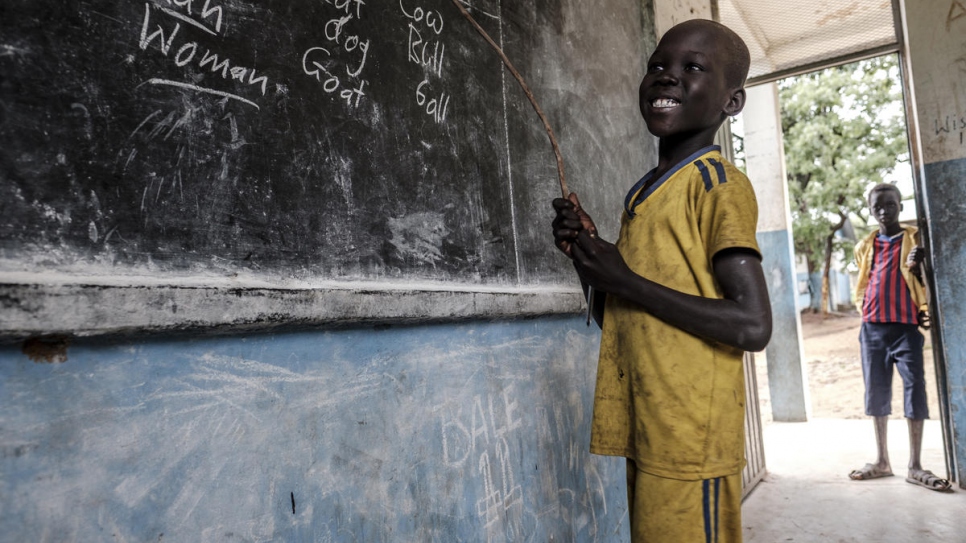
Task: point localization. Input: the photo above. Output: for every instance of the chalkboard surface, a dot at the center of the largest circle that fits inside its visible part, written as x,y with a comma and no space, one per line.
336,137
302,140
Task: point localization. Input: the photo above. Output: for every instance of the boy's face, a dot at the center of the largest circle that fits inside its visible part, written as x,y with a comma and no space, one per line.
885,207
686,87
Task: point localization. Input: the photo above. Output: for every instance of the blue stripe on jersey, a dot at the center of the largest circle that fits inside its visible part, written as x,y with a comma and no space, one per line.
719,168
706,498
717,493
705,174
633,199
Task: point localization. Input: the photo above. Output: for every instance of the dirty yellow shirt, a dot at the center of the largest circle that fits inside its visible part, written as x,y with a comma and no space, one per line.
671,401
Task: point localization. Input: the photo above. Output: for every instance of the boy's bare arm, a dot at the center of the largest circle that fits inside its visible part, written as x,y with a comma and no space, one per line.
742,319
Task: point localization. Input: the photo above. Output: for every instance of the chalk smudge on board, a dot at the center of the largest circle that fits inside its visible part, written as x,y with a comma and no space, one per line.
419,236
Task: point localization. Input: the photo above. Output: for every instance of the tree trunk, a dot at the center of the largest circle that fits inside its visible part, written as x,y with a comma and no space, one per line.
826,269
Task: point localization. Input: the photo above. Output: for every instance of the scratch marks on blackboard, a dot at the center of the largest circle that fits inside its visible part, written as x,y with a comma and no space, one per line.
509,155
108,17
49,213
419,236
237,140
343,178
144,122
87,118
7,50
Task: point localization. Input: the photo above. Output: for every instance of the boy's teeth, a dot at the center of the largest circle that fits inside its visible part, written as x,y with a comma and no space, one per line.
664,102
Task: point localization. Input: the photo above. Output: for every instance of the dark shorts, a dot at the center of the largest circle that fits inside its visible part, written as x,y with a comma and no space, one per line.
885,345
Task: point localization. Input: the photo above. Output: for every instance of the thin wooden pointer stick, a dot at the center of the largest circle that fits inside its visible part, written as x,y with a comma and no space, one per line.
526,90
553,140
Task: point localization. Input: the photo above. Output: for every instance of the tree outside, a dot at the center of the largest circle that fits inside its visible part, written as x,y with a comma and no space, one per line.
844,131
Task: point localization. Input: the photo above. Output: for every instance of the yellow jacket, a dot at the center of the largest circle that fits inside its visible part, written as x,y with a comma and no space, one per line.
863,257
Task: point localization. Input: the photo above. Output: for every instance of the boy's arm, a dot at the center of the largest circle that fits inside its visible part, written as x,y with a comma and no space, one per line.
742,319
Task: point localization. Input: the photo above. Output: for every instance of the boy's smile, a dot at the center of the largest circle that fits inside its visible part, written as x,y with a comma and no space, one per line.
685,92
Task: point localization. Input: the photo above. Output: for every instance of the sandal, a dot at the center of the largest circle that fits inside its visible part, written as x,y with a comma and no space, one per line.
869,471
928,479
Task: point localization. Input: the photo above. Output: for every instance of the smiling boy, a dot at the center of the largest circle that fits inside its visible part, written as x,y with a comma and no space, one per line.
682,296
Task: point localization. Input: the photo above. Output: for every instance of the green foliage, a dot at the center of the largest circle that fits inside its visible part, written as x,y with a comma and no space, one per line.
844,131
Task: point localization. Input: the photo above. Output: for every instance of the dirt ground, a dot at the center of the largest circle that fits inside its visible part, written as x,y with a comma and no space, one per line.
834,368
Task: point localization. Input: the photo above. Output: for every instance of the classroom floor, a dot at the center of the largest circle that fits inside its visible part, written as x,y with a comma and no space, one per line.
807,495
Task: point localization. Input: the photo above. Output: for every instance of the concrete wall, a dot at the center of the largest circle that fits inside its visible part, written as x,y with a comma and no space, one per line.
936,41
469,432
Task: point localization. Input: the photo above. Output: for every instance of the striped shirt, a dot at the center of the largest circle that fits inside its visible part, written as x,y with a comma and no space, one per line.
887,298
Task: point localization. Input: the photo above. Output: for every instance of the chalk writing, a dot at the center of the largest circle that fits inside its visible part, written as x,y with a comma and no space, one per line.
436,106
418,47
950,124
486,431
431,19
206,12
426,50
318,62
498,499
191,52
957,10
347,5
486,425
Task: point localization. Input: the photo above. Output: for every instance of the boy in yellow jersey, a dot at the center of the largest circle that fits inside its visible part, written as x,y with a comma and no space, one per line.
680,297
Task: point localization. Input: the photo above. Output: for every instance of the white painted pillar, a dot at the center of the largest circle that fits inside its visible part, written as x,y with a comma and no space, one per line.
765,161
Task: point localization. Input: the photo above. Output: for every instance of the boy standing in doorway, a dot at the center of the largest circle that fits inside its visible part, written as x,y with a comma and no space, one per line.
892,297
680,297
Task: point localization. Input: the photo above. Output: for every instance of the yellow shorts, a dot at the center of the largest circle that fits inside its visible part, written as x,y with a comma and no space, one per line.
674,511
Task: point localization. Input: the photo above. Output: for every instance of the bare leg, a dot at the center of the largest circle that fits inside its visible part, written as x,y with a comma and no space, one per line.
915,443
917,475
882,444
881,468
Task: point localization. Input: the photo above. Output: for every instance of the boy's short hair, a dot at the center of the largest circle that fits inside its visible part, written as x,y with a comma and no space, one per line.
739,58
735,50
883,187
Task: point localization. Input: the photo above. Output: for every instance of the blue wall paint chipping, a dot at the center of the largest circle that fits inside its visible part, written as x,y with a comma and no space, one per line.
786,379
469,432
945,194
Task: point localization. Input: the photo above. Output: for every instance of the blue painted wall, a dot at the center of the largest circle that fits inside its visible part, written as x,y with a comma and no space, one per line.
464,432
945,195
840,293
787,384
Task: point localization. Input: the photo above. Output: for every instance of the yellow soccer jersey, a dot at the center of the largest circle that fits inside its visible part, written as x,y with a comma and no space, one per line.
671,401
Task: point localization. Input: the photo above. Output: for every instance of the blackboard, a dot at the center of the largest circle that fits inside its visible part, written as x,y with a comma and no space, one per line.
295,141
